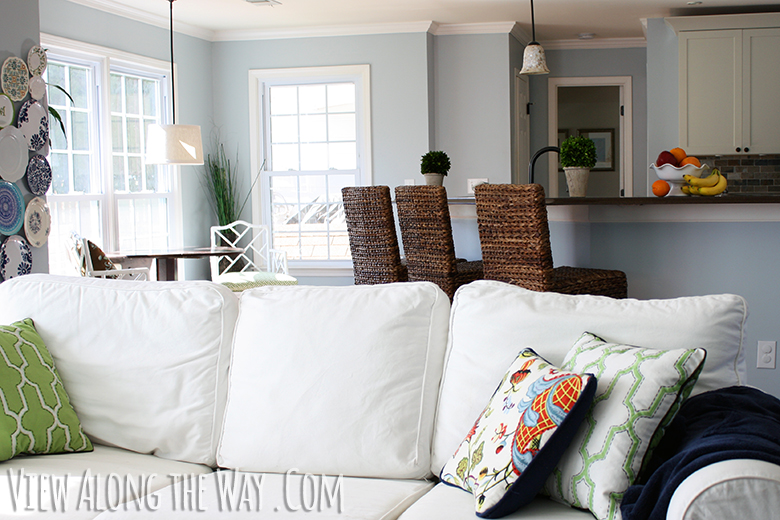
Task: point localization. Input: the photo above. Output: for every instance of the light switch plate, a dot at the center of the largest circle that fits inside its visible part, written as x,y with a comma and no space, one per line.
474,182
767,353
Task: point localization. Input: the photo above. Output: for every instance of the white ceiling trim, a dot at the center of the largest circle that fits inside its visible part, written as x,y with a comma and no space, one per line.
596,43
131,13
315,32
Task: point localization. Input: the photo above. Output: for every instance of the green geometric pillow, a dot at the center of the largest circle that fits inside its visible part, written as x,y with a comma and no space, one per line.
35,412
639,392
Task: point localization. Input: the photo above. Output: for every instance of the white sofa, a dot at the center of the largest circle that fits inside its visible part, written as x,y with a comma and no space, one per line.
316,402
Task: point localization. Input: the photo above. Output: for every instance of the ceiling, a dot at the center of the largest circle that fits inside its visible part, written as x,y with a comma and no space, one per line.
555,19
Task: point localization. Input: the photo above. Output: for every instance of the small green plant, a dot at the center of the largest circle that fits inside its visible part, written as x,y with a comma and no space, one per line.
435,162
578,152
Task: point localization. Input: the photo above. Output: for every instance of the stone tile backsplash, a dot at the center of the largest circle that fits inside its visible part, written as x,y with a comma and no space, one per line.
748,173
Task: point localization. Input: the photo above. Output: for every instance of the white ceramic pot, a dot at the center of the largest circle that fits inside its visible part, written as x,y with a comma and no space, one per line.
577,180
434,179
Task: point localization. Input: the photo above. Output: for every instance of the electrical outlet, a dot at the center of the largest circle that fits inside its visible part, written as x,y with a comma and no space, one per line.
408,182
766,354
470,183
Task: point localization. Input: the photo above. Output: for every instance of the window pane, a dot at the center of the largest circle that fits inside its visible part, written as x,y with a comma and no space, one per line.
336,183
119,173
341,127
133,135
343,156
150,97
284,157
312,99
132,98
60,183
313,128
284,190
66,216
314,157
142,223
284,100
79,131
152,178
78,88
117,136
341,97
314,246
81,173
55,75
134,177
284,129
58,141
116,93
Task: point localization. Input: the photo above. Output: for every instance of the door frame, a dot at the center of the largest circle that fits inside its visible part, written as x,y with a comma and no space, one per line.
625,131
522,148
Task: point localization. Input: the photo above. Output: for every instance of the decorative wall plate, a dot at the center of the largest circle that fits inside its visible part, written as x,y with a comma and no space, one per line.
38,175
33,121
11,209
15,78
6,110
37,222
13,154
36,60
37,88
15,257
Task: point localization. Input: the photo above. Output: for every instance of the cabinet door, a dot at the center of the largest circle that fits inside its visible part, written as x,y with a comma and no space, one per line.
761,95
710,91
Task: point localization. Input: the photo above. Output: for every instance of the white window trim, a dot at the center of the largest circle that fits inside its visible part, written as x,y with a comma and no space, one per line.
258,78
107,57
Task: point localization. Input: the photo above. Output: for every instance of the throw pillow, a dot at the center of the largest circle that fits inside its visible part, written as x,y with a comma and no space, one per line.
639,392
520,436
36,413
100,261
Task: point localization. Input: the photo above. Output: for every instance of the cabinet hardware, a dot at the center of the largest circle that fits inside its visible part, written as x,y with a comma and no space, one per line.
739,149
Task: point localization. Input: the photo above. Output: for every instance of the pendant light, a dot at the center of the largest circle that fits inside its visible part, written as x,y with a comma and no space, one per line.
533,56
173,144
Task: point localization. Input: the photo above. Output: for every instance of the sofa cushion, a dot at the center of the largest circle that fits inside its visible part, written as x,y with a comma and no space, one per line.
336,380
79,486
491,320
145,363
278,496
36,416
639,392
520,435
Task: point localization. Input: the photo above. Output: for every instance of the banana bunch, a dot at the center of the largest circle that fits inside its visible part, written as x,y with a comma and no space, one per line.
713,184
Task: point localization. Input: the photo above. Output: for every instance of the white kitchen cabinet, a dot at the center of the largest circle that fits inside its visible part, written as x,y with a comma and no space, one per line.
729,95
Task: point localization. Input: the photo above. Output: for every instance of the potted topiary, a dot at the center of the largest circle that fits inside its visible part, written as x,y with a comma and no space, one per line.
434,166
578,156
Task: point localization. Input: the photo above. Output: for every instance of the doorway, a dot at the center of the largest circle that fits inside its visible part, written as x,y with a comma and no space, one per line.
599,108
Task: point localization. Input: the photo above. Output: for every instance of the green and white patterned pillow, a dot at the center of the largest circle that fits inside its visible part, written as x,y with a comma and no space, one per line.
36,413
639,392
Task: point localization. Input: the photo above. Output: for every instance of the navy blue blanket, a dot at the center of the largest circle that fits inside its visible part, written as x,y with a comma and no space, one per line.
730,423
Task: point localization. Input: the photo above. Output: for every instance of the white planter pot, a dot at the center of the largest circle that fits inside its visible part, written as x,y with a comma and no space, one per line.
434,179
577,180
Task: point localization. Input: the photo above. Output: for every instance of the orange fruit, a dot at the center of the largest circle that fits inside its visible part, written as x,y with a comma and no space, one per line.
691,160
661,188
679,154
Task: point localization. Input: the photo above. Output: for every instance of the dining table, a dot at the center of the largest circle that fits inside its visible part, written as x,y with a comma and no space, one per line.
166,259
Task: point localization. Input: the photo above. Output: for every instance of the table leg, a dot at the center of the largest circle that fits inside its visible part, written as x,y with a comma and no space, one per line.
166,269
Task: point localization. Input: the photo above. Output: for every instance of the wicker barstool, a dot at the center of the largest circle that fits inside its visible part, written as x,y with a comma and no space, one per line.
515,239
372,237
426,232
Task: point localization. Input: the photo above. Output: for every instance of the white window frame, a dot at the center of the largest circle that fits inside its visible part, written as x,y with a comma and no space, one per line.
104,59
259,139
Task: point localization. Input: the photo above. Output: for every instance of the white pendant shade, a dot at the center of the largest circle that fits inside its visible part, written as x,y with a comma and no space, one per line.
533,60
174,144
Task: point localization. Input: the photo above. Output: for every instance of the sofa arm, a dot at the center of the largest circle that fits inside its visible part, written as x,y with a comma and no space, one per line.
737,488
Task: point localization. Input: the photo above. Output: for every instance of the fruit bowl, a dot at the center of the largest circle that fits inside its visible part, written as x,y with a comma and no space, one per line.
675,175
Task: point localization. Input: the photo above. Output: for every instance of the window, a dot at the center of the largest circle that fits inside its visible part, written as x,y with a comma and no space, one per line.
311,129
101,186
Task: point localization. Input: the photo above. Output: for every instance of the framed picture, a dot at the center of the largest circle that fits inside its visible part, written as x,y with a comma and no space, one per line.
604,138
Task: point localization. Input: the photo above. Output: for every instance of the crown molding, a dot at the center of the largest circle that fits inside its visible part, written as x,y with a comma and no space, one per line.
316,32
723,21
115,8
596,43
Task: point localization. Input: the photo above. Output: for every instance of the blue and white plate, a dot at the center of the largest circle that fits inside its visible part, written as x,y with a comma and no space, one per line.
33,121
36,60
15,257
15,78
11,209
38,175
37,222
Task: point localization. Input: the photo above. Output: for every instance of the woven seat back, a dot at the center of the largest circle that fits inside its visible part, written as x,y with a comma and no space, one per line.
373,241
514,234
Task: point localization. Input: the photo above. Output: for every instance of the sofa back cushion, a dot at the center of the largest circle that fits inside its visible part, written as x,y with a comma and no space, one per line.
336,380
492,321
144,363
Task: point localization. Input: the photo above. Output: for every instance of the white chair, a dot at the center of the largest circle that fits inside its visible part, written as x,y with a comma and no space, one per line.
79,251
258,265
